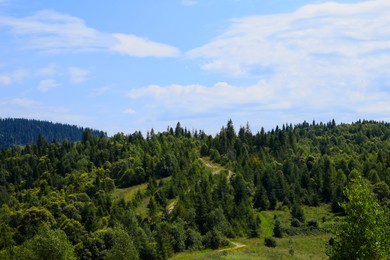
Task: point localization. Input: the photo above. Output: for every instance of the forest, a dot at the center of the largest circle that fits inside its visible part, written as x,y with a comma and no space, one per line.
19,131
59,199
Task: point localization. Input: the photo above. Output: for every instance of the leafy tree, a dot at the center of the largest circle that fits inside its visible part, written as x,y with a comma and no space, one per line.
32,219
123,247
46,244
364,234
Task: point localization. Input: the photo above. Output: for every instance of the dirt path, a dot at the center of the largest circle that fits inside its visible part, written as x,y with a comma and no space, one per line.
236,246
171,206
215,168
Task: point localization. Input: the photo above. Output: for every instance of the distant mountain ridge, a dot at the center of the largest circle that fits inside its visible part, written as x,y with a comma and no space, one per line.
19,131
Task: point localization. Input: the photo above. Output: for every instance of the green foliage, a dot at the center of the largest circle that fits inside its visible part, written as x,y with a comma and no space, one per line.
269,242
46,244
297,212
277,229
170,200
122,246
193,240
214,239
295,222
364,233
26,131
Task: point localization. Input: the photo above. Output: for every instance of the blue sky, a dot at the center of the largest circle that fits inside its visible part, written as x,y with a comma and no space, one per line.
138,65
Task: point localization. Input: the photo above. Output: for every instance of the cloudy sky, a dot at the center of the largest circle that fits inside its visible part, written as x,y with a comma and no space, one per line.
138,65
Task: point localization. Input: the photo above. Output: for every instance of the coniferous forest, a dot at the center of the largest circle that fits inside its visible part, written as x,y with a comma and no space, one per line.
19,131
59,199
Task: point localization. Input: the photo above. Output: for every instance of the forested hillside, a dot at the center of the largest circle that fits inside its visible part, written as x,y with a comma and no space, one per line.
16,131
58,198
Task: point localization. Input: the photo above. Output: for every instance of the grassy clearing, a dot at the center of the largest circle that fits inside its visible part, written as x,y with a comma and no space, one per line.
266,225
202,254
215,168
296,247
302,246
142,209
128,193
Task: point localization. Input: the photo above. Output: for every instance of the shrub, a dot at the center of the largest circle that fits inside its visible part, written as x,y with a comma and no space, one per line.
312,223
295,223
277,229
269,242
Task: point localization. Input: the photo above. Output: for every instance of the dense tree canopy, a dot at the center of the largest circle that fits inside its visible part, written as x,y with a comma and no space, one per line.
66,188
17,131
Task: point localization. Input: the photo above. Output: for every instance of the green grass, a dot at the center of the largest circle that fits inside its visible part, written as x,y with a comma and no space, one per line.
266,225
142,209
215,168
128,193
194,255
302,246
296,247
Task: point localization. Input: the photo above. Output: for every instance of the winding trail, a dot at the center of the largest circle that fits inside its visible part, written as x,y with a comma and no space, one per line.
236,246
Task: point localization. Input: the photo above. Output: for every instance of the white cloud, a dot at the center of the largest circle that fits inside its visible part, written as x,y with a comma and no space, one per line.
100,91
53,32
326,41
29,108
322,58
5,80
16,76
198,98
129,111
139,47
189,2
261,104
77,75
47,71
20,102
46,84
50,31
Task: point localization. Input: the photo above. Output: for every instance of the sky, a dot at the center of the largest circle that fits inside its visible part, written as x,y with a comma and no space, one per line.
125,66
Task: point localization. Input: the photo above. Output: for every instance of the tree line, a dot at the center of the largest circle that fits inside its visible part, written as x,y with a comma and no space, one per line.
18,131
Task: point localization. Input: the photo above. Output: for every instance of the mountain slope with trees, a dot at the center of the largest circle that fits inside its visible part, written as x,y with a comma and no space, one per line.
65,189
17,131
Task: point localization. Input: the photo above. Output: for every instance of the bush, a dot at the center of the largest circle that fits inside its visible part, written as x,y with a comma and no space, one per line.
312,223
297,212
295,223
277,229
269,242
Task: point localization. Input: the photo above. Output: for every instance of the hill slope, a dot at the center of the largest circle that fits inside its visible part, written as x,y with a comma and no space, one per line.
183,191
17,131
